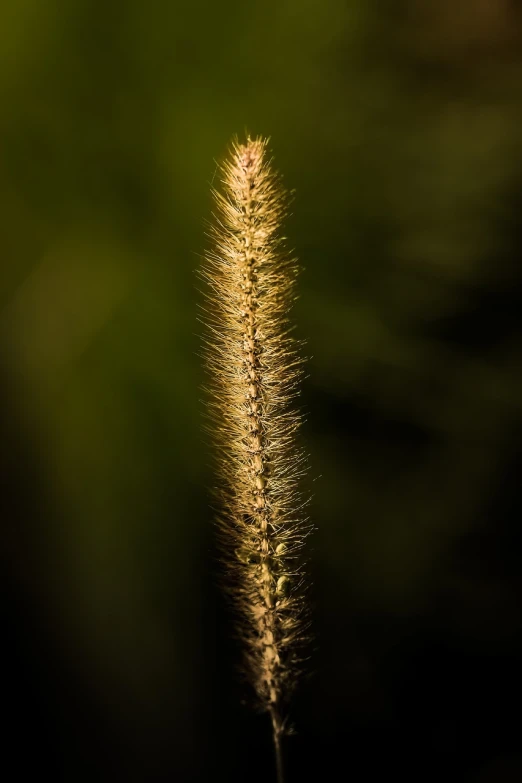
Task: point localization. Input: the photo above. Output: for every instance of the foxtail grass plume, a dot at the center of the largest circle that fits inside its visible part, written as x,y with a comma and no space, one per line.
254,370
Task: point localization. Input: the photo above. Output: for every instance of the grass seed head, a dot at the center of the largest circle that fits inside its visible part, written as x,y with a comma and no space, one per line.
255,369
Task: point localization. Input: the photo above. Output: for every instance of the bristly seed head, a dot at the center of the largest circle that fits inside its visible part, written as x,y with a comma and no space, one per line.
255,370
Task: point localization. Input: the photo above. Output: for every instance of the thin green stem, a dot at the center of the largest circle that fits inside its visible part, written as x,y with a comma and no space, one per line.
279,758
278,735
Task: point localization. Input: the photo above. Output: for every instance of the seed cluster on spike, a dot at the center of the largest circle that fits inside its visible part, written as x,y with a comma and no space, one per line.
254,371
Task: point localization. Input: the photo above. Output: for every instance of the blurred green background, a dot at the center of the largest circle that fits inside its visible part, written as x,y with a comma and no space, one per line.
398,124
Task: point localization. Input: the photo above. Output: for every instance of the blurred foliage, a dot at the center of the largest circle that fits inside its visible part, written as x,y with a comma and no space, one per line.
398,124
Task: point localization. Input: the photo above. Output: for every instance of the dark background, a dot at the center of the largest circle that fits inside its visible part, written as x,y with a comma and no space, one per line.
398,124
